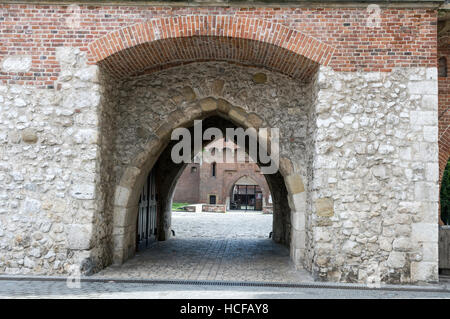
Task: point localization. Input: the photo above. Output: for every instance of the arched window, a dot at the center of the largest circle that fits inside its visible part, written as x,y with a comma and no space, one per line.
213,169
442,67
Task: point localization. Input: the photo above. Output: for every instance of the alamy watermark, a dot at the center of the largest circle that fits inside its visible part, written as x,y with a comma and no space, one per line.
262,146
73,20
74,279
374,18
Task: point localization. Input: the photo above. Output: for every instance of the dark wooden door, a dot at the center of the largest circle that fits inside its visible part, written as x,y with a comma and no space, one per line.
258,200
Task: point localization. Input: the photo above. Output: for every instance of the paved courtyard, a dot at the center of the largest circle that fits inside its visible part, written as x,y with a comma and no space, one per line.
212,246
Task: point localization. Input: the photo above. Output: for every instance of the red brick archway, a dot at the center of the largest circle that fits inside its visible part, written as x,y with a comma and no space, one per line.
444,142
165,42
444,112
444,107
444,132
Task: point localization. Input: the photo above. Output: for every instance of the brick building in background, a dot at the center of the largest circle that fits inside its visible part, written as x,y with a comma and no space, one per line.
214,182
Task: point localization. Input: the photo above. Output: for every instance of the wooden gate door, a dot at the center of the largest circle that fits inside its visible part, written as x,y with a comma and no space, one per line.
146,223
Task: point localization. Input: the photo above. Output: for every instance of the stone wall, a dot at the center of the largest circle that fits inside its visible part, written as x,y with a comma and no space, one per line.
357,194
375,185
367,155
48,171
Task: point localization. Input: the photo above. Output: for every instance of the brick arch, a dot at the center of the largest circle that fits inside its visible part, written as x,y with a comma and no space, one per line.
164,42
444,149
443,114
444,146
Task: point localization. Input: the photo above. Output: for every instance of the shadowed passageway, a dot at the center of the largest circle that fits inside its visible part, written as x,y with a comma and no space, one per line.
214,246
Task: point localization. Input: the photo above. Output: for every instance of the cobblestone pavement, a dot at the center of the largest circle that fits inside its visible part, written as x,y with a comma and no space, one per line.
91,290
219,225
214,246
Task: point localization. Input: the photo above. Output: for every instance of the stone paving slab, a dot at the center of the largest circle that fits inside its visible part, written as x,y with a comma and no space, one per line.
211,259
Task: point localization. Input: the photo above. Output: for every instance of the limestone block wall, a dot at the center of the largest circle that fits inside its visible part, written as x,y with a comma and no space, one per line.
48,170
364,146
375,186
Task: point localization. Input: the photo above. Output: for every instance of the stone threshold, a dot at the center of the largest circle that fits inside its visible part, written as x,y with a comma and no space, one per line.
442,287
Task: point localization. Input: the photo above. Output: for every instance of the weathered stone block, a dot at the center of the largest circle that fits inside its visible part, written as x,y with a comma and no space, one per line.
164,130
430,251
79,237
260,78
16,63
321,234
121,196
32,206
431,74
188,94
430,102
298,220
83,191
129,177
86,136
424,271
67,55
426,191
208,105
298,239
423,87
217,87
430,134
286,167
294,184
423,118
29,136
123,216
299,202
254,120
351,248
402,244
324,207
223,106
176,118
88,74
425,232
14,137
432,172
396,259
238,114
